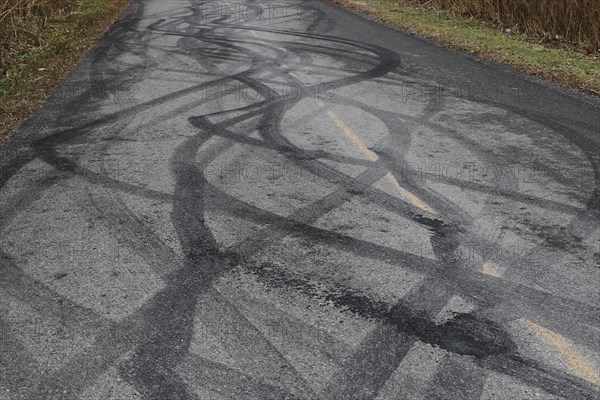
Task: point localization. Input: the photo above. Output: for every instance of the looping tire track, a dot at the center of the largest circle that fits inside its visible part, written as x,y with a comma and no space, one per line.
165,323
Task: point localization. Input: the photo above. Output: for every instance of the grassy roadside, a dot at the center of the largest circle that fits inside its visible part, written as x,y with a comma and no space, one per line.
36,66
487,40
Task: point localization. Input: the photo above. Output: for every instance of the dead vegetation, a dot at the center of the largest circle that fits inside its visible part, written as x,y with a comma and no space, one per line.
23,26
574,21
40,41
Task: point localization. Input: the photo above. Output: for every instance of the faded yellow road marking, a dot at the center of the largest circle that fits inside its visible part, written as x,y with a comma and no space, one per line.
371,156
349,133
253,33
412,198
491,269
290,73
570,356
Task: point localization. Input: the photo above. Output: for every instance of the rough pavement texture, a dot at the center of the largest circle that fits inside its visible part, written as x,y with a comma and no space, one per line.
281,200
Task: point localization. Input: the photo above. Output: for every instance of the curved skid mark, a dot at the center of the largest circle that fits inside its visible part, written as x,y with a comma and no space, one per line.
151,347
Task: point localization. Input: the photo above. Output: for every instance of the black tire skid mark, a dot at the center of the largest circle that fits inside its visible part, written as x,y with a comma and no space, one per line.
481,289
444,245
588,147
336,388
268,93
441,244
170,316
319,211
484,341
332,175
484,290
146,368
382,351
310,164
445,250
69,133
346,384
151,364
512,190
399,140
582,222
580,219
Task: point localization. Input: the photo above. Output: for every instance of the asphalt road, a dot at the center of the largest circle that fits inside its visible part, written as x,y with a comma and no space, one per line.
284,200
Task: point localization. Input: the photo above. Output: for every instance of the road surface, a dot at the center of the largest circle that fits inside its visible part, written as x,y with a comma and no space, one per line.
285,200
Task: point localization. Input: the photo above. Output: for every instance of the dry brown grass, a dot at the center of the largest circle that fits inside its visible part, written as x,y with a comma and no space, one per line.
576,21
23,23
40,41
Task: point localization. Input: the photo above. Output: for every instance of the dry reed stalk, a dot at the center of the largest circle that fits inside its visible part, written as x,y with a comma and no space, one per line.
571,20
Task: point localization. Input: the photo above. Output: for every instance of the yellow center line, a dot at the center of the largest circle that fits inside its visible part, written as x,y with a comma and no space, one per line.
491,269
567,352
371,156
290,73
